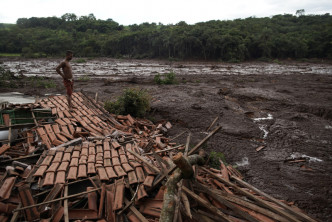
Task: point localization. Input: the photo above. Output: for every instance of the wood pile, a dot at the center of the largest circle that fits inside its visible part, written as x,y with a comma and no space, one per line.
89,165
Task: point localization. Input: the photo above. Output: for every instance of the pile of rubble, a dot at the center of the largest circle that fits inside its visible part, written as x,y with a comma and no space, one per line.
89,165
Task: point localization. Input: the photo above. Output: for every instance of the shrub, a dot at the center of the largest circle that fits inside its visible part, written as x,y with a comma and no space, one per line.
79,60
84,78
135,102
214,159
167,78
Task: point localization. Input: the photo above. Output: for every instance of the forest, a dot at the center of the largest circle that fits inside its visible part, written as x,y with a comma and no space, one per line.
276,37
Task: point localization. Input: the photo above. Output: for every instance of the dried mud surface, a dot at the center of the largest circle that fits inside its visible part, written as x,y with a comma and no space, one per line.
287,108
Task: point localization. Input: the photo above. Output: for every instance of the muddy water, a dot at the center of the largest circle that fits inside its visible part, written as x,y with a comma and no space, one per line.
105,67
16,98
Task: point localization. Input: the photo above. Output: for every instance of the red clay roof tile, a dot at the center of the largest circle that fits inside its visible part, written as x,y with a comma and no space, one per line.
53,167
107,162
127,167
60,177
66,157
114,153
47,161
107,154
148,182
65,129
134,163
61,137
140,174
110,172
132,177
107,146
100,157
123,159
75,154
91,168
99,149
82,171
92,150
91,159
141,192
115,161
115,145
58,157
119,194
63,166
40,172
60,122
49,179
83,160
74,162
72,173
102,173
6,188
119,171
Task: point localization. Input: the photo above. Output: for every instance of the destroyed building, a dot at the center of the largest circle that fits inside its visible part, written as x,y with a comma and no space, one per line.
89,165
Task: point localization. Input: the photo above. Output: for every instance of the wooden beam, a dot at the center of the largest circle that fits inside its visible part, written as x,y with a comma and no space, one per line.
152,167
65,205
55,200
253,197
272,199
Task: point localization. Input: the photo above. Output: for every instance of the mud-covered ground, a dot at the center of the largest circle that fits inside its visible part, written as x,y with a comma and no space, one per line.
286,108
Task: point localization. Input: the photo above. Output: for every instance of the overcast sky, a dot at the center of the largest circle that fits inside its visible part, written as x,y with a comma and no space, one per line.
127,12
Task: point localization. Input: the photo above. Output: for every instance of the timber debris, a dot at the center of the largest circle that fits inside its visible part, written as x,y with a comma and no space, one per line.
89,165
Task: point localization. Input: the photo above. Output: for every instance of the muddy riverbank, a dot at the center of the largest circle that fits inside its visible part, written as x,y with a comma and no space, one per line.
284,108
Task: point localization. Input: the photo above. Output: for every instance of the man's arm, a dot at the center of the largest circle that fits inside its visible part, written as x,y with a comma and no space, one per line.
58,69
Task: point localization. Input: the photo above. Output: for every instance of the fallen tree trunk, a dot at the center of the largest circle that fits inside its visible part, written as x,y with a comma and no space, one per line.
184,171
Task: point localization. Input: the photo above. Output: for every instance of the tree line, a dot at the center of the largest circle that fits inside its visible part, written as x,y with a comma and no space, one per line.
279,36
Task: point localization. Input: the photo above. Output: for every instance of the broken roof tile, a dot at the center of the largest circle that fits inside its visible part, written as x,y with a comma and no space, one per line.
141,192
132,177
7,187
60,177
140,174
49,179
72,173
82,171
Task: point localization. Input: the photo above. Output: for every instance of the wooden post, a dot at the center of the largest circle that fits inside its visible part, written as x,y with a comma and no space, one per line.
65,205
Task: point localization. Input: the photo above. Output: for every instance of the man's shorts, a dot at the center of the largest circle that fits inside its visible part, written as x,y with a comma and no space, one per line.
69,86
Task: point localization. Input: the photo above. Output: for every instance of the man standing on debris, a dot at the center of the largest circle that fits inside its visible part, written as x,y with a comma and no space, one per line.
67,76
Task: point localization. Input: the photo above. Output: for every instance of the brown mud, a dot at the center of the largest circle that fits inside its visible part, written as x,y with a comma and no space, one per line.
286,108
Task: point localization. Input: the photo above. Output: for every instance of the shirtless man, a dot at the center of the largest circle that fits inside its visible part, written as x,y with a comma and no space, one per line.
67,76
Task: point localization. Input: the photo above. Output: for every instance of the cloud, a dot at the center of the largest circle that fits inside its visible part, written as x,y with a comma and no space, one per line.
172,11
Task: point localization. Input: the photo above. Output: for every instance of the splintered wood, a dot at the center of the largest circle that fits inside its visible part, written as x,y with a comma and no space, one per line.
88,165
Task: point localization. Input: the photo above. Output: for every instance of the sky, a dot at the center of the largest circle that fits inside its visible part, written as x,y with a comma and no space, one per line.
128,12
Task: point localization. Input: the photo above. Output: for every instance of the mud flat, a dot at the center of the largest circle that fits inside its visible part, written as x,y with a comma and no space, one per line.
282,110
